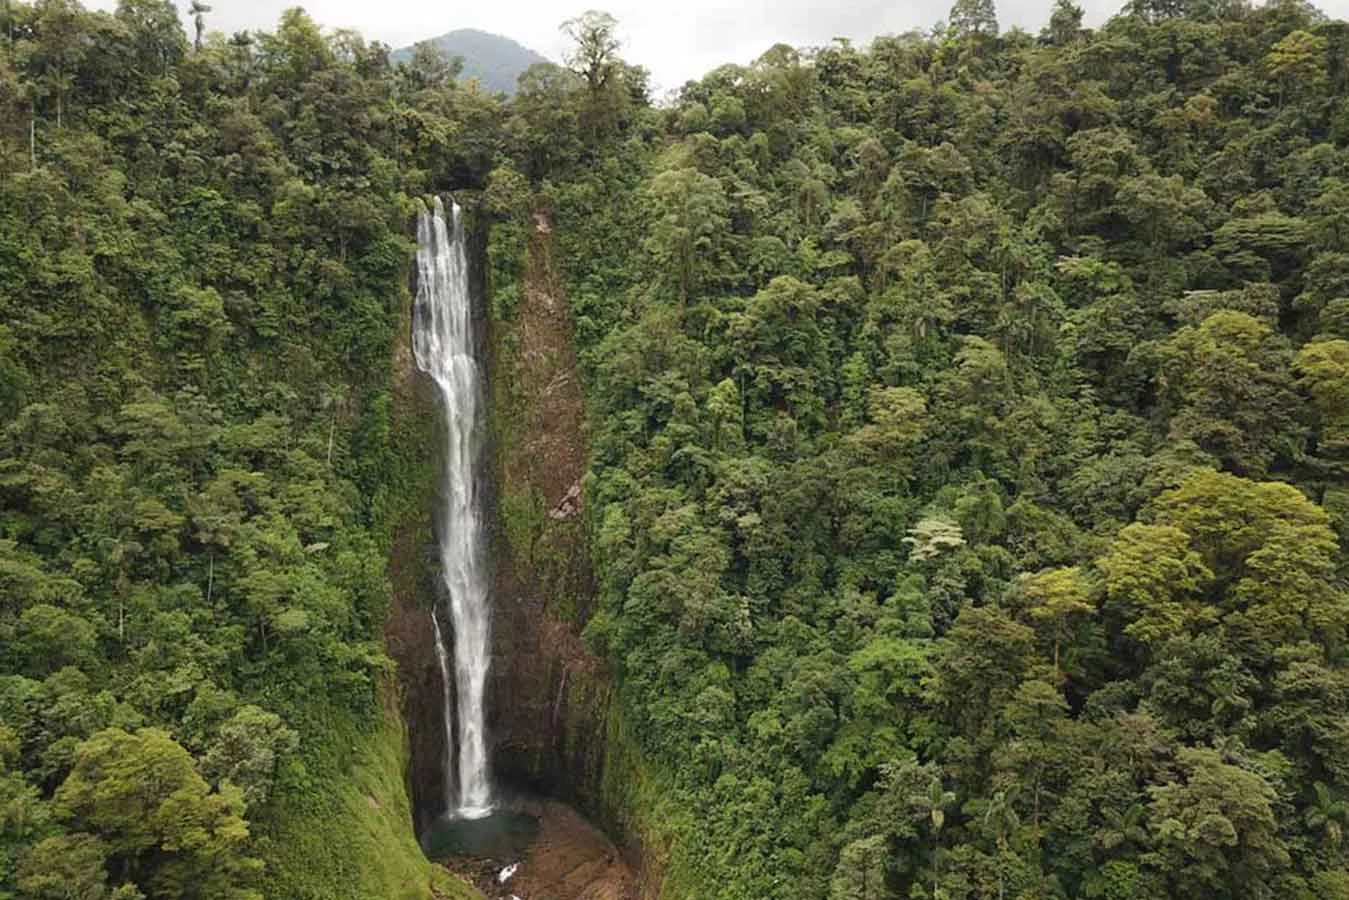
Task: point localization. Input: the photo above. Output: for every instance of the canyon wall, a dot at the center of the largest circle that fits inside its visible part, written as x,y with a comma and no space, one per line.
547,698
412,571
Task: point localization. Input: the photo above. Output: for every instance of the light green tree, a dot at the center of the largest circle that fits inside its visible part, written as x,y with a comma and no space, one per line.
1058,597
140,793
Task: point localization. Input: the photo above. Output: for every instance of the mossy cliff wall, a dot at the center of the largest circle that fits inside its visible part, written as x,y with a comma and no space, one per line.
545,702
550,717
408,636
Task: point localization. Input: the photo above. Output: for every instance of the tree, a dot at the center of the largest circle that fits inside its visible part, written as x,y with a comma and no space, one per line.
198,10
1271,552
1323,369
295,53
690,213
1216,831
1031,763
156,36
1228,387
860,874
974,17
1123,829
594,54
986,655
897,420
1153,577
25,821
1327,814
432,68
1308,712
141,795
611,86
58,53
1057,597
49,638
1000,821
247,750
65,867
546,127
1065,23
1297,63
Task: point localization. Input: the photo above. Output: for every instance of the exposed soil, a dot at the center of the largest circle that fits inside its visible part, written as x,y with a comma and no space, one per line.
571,860
552,456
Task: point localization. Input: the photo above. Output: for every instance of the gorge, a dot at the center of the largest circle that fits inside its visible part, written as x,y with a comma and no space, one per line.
912,470
507,448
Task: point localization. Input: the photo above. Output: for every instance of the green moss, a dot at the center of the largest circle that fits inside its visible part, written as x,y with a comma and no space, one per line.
636,800
531,537
522,520
350,838
505,258
408,474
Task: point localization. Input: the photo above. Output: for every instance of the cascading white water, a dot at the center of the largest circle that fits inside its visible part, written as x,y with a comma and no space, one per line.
447,707
443,345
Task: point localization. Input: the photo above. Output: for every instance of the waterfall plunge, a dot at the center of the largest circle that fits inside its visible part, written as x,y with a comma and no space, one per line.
443,345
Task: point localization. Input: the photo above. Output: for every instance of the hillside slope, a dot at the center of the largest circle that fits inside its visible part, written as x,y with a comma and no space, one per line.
496,61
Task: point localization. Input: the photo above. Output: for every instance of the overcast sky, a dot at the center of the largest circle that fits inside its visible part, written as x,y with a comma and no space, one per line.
675,39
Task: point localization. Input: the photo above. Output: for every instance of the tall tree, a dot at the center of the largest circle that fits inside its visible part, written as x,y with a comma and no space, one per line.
594,51
198,10
978,18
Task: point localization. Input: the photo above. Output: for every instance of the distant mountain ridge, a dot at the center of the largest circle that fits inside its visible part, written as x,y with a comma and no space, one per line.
496,61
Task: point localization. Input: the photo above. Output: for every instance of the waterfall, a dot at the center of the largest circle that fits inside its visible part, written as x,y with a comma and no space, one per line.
447,707
443,345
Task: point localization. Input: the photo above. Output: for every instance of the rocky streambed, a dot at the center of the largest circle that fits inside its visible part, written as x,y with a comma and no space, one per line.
533,849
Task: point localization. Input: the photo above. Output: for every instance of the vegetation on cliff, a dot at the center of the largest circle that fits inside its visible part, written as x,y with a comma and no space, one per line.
968,455
203,259
967,422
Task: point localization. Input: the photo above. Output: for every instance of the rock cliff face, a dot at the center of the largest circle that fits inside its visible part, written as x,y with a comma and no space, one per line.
408,639
407,630
547,698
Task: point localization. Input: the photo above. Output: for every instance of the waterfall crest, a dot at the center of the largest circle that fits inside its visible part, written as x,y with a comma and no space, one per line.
444,348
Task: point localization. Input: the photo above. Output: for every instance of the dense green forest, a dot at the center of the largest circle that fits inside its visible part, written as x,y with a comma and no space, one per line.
204,250
970,416
968,419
